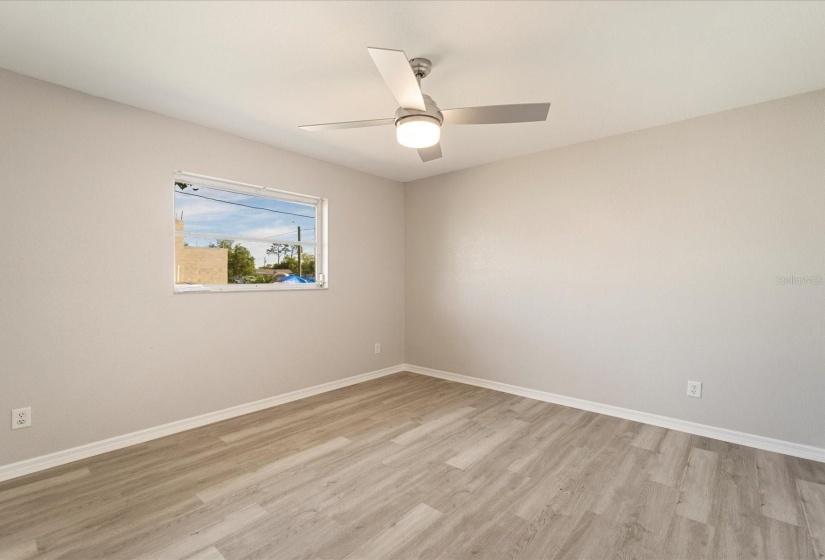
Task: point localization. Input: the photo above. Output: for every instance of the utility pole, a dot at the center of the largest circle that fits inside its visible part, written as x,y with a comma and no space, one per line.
299,251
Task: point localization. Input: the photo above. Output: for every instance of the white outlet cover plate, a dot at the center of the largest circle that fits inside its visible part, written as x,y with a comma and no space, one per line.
378,348
21,418
694,389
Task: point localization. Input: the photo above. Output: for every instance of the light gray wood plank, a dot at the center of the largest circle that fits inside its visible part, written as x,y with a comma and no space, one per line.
256,477
210,553
649,437
200,538
469,515
395,536
549,485
736,512
671,459
621,486
21,551
647,526
593,537
486,446
288,535
342,405
783,540
42,484
698,486
804,469
432,425
777,489
688,540
813,506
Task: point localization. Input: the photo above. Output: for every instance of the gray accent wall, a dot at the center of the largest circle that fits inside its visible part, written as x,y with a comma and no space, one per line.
617,270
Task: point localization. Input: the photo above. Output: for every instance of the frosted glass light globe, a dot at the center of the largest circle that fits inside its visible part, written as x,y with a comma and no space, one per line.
418,131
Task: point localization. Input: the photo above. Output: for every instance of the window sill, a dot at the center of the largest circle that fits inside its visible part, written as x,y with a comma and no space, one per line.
216,289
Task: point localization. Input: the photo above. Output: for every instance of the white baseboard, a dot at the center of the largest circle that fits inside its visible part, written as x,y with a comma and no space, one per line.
43,462
58,458
731,436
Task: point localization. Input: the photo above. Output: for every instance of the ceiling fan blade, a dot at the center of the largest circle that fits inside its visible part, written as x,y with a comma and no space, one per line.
395,68
431,153
349,124
497,114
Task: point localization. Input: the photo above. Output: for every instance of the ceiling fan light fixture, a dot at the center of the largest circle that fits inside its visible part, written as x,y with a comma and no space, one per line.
418,119
418,131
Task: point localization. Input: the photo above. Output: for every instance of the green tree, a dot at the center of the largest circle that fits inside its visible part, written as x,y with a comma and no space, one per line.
240,263
280,250
288,262
307,265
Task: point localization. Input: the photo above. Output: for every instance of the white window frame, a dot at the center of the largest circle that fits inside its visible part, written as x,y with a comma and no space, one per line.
320,244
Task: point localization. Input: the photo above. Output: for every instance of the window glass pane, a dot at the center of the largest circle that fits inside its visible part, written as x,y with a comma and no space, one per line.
225,238
290,263
205,210
223,261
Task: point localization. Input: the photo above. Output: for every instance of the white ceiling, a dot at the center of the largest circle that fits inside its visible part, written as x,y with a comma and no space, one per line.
260,69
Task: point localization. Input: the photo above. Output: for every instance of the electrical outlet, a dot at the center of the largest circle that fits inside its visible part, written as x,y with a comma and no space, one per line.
695,389
377,348
21,418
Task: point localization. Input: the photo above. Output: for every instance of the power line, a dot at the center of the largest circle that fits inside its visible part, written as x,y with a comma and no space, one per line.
244,205
287,233
272,237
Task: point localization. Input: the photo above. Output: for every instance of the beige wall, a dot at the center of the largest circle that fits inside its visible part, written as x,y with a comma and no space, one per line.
617,270
199,265
92,337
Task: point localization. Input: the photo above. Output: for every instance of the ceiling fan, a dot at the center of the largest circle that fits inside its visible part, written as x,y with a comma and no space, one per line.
418,120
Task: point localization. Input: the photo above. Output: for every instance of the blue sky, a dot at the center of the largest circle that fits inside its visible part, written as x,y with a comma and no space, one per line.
208,210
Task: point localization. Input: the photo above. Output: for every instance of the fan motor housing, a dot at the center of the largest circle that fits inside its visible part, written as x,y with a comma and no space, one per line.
421,66
432,112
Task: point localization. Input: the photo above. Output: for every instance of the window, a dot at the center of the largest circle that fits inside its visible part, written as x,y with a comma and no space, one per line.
232,236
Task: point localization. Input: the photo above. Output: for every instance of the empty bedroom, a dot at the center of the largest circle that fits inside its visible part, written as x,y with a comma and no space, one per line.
412,280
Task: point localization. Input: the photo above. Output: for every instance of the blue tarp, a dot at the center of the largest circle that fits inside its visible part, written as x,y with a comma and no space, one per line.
295,279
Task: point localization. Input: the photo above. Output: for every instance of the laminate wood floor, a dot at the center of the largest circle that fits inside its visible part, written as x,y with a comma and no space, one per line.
409,466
